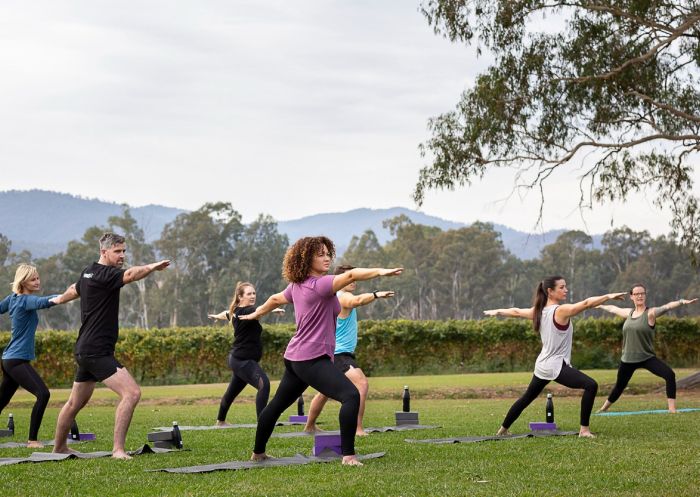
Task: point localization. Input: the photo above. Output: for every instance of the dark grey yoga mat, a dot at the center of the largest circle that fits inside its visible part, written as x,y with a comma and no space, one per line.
47,443
298,459
383,429
456,440
50,456
214,427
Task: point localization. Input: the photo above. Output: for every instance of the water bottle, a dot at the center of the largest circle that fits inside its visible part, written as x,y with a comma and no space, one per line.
11,424
177,438
406,399
549,409
74,432
300,405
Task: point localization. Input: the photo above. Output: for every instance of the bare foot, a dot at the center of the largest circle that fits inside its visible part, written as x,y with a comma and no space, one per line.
35,444
313,429
63,450
222,423
120,454
502,432
351,461
585,434
361,433
673,411
260,457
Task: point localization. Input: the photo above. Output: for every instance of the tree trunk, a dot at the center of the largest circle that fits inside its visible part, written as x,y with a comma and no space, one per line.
689,382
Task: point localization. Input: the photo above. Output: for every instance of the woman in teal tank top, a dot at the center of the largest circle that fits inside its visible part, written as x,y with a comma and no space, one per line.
638,344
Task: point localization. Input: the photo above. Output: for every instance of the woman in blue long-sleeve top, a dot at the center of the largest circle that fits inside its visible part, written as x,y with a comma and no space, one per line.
16,369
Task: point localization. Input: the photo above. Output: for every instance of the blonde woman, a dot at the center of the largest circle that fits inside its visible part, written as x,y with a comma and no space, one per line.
17,371
246,352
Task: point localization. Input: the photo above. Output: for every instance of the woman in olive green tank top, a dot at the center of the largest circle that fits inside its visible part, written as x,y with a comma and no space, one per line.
638,344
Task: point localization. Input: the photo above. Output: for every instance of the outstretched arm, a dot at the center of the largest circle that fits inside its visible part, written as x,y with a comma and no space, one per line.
140,272
350,301
513,312
222,316
270,304
613,309
340,281
70,294
566,311
655,312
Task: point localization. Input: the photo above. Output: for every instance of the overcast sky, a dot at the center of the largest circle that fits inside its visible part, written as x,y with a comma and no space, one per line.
286,108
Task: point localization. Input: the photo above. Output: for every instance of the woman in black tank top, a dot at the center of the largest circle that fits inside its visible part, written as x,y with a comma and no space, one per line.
246,352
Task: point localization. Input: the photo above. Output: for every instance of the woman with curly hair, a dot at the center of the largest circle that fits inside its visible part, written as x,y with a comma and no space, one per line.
309,355
246,352
17,371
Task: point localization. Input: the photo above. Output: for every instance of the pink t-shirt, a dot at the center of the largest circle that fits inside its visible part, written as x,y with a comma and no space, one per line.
315,309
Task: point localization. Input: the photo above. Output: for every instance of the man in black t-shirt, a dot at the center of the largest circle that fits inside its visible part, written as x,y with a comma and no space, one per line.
98,288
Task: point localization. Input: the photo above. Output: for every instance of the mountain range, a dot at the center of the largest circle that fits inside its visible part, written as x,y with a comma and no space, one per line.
43,222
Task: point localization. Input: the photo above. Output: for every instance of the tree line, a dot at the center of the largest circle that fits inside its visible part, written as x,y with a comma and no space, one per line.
452,274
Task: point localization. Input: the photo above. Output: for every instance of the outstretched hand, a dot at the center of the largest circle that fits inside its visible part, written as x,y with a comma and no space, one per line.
278,310
159,266
617,296
686,301
385,294
391,272
491,312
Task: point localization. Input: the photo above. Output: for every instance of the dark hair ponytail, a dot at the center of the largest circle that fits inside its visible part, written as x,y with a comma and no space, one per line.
539,299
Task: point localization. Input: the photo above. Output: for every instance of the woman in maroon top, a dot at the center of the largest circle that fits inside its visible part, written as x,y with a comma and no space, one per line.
309,355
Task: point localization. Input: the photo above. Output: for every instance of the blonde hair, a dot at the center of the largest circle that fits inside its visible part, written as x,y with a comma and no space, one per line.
24,273
237,294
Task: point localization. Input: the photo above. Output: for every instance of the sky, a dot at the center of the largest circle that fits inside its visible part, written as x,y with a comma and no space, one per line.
284,108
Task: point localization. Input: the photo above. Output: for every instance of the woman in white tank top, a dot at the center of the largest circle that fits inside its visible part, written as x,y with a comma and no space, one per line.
553,322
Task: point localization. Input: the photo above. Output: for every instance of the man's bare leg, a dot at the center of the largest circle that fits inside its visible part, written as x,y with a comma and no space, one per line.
317,404
79,396
124,385
358,378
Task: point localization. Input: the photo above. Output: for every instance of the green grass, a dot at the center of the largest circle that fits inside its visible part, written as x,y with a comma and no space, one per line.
635,455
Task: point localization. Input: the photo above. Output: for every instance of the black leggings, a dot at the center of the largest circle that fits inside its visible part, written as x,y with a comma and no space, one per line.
321,374
569,377
245,372
654,365
19,373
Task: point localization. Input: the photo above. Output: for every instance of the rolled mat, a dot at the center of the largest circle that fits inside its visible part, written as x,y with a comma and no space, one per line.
268,463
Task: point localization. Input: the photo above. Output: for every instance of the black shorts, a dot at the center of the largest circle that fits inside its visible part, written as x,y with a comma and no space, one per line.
95,368
345,361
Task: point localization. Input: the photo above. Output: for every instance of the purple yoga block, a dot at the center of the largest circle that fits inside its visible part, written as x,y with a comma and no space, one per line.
325,443
535,426
84,437
298,419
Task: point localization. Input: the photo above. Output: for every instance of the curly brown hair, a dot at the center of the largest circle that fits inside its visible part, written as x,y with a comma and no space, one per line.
298,258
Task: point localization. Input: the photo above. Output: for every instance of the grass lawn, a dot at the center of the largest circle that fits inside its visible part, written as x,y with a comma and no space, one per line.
633,455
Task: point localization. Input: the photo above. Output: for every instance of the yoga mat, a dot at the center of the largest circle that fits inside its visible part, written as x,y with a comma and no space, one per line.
382,429
214,427
269,463
50,456
456,440
47,443
653,411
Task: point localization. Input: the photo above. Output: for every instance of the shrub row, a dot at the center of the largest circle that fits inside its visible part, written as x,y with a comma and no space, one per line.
396,347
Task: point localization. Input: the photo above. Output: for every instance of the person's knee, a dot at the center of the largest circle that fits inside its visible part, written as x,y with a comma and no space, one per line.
591,385
133,395
263,383
351,396
671,377
43,395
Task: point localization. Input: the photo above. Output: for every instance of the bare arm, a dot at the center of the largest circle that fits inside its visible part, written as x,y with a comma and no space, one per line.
222,316
513,312
140,272
340,281
70,294
655,312
350,301
566,311
613,309
270,304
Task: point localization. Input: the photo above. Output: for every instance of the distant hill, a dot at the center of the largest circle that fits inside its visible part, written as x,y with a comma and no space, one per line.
44,222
